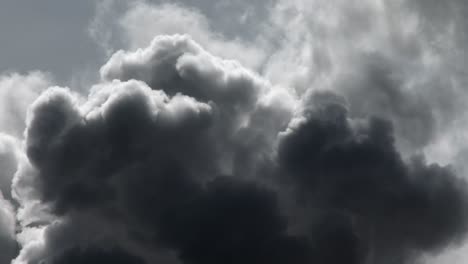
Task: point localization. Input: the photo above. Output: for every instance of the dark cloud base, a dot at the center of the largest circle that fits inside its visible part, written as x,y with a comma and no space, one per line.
96,256
352,167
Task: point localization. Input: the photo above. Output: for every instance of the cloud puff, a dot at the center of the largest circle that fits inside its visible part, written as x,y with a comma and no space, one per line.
407,58
352,166
17,92
178,64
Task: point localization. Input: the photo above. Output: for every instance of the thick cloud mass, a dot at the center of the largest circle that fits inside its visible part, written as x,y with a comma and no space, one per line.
178,156
317,143
96,256
352,166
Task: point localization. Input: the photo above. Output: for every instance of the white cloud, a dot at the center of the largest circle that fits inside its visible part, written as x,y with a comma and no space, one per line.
141,22
17,92
7,231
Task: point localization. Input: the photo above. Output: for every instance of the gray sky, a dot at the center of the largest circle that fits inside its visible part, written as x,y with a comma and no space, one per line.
52,35
47,35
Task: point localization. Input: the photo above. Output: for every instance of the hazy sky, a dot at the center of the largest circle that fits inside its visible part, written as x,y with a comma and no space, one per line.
49,35
248,131
53,35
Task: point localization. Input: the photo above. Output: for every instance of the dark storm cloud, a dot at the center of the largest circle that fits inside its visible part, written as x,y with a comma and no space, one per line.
227,221
199,160
400,60
77,155
181,156
352,166
96,256
163,168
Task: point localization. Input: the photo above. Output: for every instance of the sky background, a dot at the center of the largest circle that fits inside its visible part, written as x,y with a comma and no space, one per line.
53,36
48,35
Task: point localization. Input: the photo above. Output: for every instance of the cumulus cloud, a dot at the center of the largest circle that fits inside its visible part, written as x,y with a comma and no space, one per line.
352,166
179,156
17,92
312,138
407,58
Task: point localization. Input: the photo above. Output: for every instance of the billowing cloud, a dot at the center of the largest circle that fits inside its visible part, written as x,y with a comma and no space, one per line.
321,134
401,60
179,156
351,166
17,92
